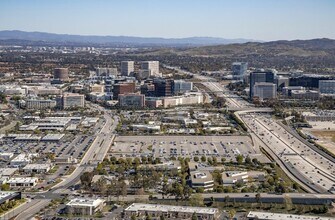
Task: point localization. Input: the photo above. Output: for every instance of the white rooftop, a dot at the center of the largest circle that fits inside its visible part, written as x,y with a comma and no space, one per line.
169,208
280,216
85,202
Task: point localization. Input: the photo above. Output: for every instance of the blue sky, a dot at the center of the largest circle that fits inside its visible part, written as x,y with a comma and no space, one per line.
251,19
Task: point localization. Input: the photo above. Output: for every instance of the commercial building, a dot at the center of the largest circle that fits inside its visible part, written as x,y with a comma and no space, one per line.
163,87
22,160
132,100
123,88
37,168
169,211
264,90
327,87
73,100
22,182
305,94
105,72
308,80
40,103
287,91
6,156
253,215
180,86
96,88
61,74
202,179
84,206
191,98
260,77
127,67
151,66
9,196
239,70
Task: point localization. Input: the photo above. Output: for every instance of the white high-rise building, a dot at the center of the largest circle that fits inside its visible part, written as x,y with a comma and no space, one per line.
127,67
264,90
151,66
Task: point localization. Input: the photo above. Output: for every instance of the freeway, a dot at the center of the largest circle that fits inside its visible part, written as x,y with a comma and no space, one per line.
306,165
313,171
95,154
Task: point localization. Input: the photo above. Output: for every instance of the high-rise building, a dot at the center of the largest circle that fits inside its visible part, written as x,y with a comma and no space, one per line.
163,87
61,74
106,71
239,70
123,88
71,100
327,87
127,67
258,77
264,90
151,66
180,86
131,100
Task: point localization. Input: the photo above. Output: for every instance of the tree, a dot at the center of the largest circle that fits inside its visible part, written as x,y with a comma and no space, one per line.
86,179
194,216
203,158
258,197
133,217
223,160
288,202
5,187
239,159
196,159
196,200
232,213
247,160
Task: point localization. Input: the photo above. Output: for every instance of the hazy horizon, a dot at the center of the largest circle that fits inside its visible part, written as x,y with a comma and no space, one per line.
240,19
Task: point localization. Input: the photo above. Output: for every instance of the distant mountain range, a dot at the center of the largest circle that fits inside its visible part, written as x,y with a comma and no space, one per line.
23,37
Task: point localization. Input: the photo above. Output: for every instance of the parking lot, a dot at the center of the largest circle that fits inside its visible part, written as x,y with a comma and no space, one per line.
186,146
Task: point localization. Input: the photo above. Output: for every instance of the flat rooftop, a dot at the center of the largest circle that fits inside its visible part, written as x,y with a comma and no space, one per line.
280,216
85,202
169,208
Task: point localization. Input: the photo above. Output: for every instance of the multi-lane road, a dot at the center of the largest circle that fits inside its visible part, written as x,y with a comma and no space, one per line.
302,163
95,154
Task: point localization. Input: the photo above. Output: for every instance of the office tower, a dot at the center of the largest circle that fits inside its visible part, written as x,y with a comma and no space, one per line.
257,77
327,87
151,66
180,86
71,100
123,88
61,74
163,87
264,90
127,67
106,71
131,100
239,70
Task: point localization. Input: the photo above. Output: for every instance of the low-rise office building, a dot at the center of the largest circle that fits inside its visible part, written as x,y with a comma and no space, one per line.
6,196
169,211
22,159
84,206
252,215
202,179
37,168
22,182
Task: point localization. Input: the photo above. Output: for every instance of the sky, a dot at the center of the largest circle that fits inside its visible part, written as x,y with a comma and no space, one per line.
249,19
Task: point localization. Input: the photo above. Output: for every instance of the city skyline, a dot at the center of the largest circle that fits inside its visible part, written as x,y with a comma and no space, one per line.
257,20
